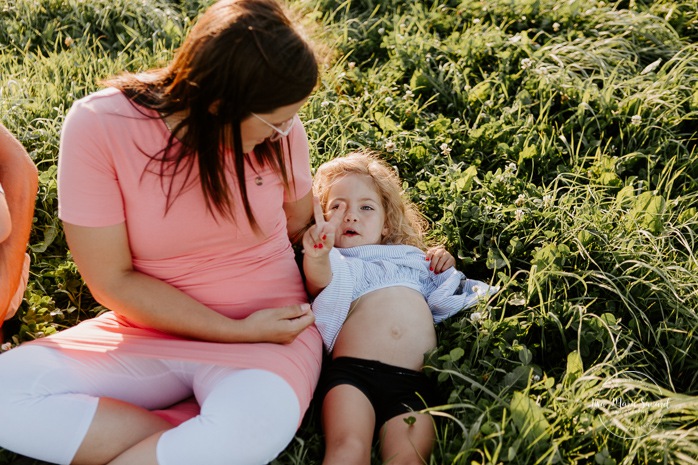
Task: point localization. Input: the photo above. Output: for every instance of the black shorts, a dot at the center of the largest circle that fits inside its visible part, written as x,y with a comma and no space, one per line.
391,390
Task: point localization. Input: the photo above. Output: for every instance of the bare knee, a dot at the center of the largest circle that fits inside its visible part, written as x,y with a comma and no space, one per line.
347,450
407,444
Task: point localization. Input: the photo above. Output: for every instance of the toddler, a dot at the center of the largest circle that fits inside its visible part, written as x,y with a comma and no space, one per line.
375,303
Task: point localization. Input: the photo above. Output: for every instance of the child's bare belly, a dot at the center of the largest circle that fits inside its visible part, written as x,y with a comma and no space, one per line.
391,325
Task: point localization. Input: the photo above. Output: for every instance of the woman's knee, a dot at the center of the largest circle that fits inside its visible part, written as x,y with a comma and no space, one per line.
247,417
21,369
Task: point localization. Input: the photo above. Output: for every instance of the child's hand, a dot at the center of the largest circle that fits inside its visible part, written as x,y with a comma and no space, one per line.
441,260
318,240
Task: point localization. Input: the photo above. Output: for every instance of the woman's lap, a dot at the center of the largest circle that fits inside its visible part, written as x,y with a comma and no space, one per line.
54,395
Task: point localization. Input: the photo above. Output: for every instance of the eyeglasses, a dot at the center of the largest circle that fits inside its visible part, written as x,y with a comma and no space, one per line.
279,131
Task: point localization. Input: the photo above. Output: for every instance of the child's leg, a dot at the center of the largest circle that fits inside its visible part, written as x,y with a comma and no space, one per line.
407,444
348,421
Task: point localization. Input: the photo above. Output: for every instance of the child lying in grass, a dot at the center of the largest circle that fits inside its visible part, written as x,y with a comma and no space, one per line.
376,301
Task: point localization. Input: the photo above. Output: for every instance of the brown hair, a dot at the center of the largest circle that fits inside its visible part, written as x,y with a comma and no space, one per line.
241,57
403,220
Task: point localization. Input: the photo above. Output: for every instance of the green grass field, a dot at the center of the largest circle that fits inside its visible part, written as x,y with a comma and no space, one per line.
552,145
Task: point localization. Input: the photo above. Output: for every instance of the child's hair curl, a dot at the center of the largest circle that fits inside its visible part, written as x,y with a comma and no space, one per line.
404,222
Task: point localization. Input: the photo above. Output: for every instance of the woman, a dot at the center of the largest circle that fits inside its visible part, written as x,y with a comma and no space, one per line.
178,191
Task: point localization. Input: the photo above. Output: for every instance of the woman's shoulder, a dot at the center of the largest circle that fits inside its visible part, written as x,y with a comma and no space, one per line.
108,101
106,108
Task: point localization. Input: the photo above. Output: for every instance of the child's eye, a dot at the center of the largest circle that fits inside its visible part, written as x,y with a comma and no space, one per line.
334,207
367,207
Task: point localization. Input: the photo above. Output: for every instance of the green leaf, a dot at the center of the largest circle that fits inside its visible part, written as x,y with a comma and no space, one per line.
529,152
529,418
648,212
575,367
464,182
525,356
456,354
385,122
495,259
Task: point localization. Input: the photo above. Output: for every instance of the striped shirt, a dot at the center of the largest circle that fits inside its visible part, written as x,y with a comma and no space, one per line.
359,270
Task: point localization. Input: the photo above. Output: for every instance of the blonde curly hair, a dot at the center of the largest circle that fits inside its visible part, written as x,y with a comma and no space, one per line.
404,222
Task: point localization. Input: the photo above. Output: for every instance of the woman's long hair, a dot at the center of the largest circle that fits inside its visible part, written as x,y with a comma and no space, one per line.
403,220
241,57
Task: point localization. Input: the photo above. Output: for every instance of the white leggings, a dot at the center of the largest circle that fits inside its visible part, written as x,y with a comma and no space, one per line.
48,399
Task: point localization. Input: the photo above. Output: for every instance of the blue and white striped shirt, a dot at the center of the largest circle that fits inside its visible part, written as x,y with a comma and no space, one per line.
359,270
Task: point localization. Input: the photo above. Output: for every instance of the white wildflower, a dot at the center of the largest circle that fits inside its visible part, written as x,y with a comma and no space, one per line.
636,120
556,26
511,167
351,64
408,94
536,378
547,200
476,317
381,31
445,149
325,104
519,214
476,21
388,100
520,200
390,146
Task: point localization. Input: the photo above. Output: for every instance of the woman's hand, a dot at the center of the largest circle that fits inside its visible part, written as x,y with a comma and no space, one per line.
440,259
279,325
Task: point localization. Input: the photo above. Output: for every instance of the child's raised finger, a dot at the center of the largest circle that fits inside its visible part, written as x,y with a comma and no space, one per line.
336,217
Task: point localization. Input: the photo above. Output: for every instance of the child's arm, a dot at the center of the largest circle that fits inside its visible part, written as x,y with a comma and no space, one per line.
318,240
316,262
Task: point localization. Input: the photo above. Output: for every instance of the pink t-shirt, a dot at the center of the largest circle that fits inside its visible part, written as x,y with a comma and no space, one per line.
104,179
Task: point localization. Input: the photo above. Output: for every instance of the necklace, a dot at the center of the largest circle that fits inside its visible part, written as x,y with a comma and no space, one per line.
164,120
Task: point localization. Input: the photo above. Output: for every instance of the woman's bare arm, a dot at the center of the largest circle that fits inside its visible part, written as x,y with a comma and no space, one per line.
18,176
298,215
104,259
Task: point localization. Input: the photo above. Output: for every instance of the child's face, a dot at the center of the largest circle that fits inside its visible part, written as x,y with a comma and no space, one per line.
364,218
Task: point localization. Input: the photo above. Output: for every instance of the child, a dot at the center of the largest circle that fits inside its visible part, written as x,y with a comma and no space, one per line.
370,278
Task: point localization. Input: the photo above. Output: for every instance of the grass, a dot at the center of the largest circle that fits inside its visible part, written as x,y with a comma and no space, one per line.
551,144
